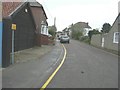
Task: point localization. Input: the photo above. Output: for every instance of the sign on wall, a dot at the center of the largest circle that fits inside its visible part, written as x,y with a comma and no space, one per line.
13,27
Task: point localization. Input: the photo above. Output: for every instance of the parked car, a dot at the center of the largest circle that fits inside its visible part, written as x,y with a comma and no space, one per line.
65,39
59,37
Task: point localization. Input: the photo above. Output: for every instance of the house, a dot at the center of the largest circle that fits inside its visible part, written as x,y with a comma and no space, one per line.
18,13
58,33
82,27
65,31
41,23
109,40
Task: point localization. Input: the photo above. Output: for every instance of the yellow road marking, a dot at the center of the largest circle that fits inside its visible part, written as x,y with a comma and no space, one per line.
54,73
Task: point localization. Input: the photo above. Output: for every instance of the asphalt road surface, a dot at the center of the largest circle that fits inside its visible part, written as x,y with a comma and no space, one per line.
32,73
86,67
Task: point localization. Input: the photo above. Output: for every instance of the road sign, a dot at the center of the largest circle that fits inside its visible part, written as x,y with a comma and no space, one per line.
13,26
13,29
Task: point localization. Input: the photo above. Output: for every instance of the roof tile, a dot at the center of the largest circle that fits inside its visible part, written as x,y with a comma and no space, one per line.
9,7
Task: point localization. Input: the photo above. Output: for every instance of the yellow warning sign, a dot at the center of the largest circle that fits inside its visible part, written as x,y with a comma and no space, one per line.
13,26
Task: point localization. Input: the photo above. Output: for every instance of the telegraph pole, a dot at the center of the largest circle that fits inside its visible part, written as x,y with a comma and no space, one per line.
55,21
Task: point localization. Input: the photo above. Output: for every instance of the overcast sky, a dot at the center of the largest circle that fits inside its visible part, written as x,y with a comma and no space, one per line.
95,12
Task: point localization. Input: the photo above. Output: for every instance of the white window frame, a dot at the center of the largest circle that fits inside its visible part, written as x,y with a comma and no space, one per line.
42,29
114,37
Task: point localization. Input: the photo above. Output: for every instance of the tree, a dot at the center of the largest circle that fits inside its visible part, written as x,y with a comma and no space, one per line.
52,30
106,28
76,34
94,31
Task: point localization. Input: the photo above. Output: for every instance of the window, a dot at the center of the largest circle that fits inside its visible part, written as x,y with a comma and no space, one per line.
43,29
116,37
26,10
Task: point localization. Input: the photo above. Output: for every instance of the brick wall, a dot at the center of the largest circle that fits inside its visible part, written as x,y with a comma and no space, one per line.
44,40
51,41
38,18
96,40
38,39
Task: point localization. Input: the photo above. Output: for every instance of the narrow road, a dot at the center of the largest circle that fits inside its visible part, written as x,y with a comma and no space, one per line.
32,73
86,67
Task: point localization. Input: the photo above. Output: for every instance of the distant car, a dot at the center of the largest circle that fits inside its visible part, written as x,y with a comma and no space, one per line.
65,39
59,37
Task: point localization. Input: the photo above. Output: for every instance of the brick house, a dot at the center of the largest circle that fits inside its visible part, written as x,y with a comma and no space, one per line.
20,14
41,23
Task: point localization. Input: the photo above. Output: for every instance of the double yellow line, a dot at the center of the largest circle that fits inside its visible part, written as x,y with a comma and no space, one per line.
54,73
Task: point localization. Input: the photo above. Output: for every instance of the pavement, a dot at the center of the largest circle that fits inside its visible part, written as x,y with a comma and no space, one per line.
86,67
32,70
32,53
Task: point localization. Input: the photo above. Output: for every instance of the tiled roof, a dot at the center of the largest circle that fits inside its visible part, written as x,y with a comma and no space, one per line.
37,4
9,7
84,25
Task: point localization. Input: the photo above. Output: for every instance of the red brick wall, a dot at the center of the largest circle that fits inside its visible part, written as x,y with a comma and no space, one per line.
38,18
37,14
51,41
38,40
44,39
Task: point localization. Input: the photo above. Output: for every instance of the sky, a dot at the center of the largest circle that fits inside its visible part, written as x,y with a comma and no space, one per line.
95,12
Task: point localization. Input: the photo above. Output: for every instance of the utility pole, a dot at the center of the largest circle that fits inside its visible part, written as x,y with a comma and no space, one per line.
55,21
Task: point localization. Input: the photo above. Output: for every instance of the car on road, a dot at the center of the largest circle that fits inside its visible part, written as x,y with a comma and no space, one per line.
59,37
64,39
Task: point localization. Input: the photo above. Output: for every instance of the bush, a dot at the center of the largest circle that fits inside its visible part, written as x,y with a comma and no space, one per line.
76,35
85,39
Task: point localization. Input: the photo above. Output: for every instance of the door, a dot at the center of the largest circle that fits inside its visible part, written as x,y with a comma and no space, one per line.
103,41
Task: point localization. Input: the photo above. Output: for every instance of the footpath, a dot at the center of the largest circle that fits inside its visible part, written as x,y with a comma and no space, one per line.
33,67
32,53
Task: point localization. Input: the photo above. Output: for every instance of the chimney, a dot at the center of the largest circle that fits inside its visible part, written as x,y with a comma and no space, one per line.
118,7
